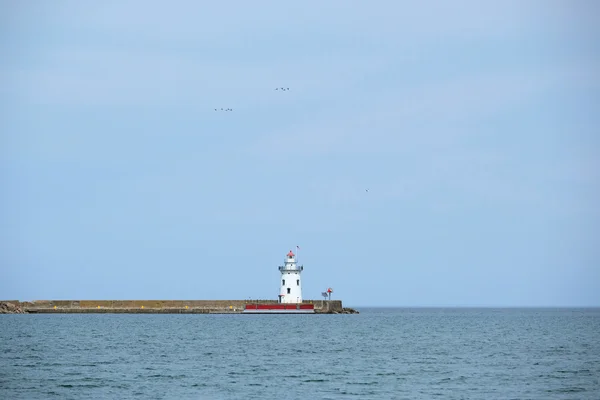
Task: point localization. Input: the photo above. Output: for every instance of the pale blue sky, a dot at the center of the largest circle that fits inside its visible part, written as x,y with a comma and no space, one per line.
474,125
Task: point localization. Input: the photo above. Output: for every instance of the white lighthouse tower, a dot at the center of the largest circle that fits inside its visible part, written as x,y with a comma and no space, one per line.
291,283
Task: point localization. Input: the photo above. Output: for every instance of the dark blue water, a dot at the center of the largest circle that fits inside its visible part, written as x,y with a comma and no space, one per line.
378,354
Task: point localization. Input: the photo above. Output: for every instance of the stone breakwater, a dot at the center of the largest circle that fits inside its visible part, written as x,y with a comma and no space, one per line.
159,306
10,308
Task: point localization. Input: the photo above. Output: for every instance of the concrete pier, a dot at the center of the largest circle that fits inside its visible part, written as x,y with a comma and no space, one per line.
160,306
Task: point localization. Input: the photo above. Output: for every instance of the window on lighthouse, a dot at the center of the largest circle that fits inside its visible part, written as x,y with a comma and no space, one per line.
283,282
297,282
289,290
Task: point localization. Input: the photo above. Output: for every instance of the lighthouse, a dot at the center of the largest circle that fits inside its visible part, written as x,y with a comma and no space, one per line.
291,282
290,292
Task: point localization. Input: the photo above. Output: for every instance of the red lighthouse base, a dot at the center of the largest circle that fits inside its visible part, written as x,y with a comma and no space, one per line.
258,308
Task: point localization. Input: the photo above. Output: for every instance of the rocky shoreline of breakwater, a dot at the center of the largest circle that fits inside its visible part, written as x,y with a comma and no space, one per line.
10,308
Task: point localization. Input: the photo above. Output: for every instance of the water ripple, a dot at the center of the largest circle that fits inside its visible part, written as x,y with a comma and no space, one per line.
378,354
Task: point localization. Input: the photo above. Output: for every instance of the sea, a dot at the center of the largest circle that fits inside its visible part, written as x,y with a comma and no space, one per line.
381,353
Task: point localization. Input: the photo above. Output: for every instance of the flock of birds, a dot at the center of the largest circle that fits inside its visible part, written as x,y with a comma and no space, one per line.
231,109
278,88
